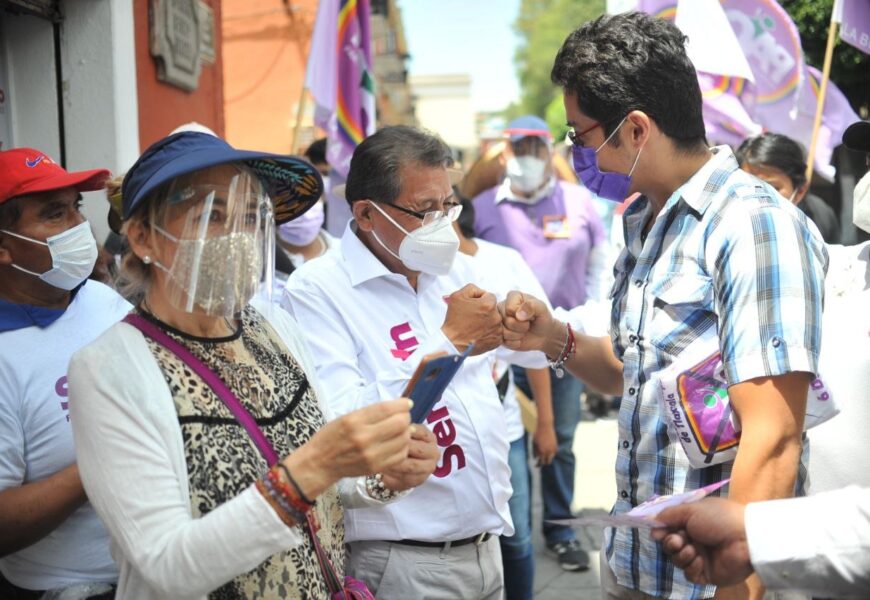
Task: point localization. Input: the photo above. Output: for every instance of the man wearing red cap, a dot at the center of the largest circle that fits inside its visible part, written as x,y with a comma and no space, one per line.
50,537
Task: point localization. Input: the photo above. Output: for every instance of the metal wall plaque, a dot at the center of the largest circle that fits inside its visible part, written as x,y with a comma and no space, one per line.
175,41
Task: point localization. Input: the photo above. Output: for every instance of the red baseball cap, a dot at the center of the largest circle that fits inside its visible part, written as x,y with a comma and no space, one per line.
29,171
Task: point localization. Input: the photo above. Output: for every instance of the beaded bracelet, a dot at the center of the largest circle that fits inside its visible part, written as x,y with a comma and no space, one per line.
278,496
286,492
285,517
568,350
292,481
376,489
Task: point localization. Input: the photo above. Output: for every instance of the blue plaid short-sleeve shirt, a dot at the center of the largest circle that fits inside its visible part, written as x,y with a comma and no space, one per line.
726,258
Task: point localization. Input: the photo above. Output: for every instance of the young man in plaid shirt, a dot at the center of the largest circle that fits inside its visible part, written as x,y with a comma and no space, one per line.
713,258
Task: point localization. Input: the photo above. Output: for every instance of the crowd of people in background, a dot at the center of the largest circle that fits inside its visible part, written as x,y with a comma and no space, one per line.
211,404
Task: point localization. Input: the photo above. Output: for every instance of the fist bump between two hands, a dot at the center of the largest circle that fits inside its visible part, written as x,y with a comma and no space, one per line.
520,322
381,439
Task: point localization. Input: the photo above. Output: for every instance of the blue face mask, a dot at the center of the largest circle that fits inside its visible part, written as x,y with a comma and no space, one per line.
611,186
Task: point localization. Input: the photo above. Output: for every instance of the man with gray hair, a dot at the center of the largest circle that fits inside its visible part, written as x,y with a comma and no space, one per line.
394,291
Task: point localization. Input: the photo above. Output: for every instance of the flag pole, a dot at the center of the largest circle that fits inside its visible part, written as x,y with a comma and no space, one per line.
300,112
303,58
823,90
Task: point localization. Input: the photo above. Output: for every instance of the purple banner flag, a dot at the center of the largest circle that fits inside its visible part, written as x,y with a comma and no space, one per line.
772,45
783,96
798,123
663,9
725,118
339,77
855,26
837,115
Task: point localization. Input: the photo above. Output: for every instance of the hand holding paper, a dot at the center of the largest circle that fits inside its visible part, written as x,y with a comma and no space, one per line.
643,515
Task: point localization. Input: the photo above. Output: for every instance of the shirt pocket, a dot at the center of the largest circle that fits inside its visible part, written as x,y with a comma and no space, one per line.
682,311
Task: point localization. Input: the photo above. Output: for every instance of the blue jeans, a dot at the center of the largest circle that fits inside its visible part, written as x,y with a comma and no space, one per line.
557,478
517,553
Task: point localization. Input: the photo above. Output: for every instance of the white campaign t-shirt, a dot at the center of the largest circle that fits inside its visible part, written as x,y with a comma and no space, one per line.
840,448
506,271
36,438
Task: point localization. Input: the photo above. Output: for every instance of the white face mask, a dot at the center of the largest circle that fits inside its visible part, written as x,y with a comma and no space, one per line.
429,249
73,256
526,173
861,203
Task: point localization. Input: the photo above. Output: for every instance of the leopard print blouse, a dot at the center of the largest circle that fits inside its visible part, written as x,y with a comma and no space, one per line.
223,461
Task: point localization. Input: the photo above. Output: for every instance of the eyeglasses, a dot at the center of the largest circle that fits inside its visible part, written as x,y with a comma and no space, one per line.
573,135
451,212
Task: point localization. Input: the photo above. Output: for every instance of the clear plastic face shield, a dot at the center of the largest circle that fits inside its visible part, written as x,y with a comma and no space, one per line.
218,244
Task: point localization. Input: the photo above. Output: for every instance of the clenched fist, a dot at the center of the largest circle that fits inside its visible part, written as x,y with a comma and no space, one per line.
527,321
473,317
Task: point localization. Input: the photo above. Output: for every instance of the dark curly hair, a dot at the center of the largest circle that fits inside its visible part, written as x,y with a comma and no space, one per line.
632,61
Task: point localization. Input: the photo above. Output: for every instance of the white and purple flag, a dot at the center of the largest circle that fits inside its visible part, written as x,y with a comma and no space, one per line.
339,77
782,93
854,19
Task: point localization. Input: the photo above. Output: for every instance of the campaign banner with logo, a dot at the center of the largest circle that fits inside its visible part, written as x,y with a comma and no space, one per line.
783,92
855,24
772,46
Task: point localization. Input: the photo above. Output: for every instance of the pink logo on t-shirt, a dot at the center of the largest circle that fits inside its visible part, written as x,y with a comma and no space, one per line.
405,341
445,436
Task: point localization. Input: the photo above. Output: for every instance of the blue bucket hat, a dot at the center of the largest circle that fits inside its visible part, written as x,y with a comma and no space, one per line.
528,126
293,184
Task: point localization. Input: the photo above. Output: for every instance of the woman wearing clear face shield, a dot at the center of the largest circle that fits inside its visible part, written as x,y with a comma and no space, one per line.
200,435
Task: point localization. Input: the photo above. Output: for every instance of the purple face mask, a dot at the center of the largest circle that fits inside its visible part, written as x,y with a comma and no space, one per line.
302,230
611,186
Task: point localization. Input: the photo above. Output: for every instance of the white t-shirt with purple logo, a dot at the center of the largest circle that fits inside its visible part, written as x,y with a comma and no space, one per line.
36,439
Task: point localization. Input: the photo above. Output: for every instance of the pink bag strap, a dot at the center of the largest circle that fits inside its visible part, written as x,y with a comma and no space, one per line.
244,418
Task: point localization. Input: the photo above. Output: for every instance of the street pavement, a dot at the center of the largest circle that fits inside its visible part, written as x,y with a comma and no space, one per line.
594,492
